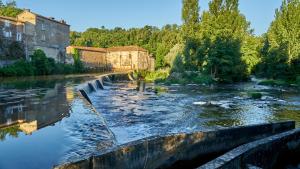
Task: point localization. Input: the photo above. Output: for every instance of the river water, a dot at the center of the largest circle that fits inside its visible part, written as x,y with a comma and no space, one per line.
45,122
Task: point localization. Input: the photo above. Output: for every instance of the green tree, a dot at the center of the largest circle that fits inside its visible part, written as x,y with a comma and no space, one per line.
78,65
40,61
282,46
223,30
190,17
10,9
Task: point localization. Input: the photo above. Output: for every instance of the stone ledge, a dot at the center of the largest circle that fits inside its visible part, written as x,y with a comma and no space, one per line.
264,153
184,148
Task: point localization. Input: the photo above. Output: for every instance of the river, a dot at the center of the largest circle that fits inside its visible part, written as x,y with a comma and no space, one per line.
45,122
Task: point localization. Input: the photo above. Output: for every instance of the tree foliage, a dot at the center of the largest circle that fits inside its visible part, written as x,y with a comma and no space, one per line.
157,41
9,9
281,50
217,47
190,17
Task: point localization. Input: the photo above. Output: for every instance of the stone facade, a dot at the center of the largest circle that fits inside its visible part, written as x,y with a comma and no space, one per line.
38,32
12,31
116,58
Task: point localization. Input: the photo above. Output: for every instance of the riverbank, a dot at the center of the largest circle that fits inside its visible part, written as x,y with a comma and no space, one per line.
167,77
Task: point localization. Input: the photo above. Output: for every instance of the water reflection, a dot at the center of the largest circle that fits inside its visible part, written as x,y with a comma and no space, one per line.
32,109
45,120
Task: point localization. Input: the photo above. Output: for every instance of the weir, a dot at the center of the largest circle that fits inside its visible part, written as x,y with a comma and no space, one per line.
188,150
183,150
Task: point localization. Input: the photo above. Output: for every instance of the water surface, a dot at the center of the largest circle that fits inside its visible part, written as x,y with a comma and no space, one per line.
45,122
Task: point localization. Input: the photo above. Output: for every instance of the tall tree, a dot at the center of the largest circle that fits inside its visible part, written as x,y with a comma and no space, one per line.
282,44
190,27
222,32
190,17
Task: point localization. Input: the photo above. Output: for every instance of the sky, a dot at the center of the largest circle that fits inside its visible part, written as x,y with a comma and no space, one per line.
83,14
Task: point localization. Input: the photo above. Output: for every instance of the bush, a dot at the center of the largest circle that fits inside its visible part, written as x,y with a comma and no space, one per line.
255,95
20,68
40,65
159,89
203,79
77,62
157,76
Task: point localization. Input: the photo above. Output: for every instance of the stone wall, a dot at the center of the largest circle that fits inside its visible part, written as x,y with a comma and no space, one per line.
11,32
117,58
47,34
186,149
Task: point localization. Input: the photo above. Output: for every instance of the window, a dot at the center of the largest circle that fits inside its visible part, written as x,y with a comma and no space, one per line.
6,23
43,26
43,37
7,34
19,36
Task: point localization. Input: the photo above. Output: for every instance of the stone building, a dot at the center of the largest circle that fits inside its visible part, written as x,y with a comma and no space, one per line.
37,32
116,58
12,34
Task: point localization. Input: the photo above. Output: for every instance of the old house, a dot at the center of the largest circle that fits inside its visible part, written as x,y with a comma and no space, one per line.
34,31
11,35
116,58
45,33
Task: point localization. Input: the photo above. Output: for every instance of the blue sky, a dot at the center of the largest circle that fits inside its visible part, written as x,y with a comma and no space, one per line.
82,14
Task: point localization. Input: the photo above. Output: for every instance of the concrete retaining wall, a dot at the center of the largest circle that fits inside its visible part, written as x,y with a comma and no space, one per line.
185,148
272,152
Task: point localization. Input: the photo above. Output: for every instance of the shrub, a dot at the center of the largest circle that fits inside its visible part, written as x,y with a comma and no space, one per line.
159,75
79,68
20,68
255,95
41,63
159,89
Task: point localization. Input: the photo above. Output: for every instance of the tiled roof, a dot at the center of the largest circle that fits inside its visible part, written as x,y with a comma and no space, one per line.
112,49
126,48
89,48
50,19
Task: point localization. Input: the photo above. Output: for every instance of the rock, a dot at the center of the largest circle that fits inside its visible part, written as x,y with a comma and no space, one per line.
200,103
222,104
